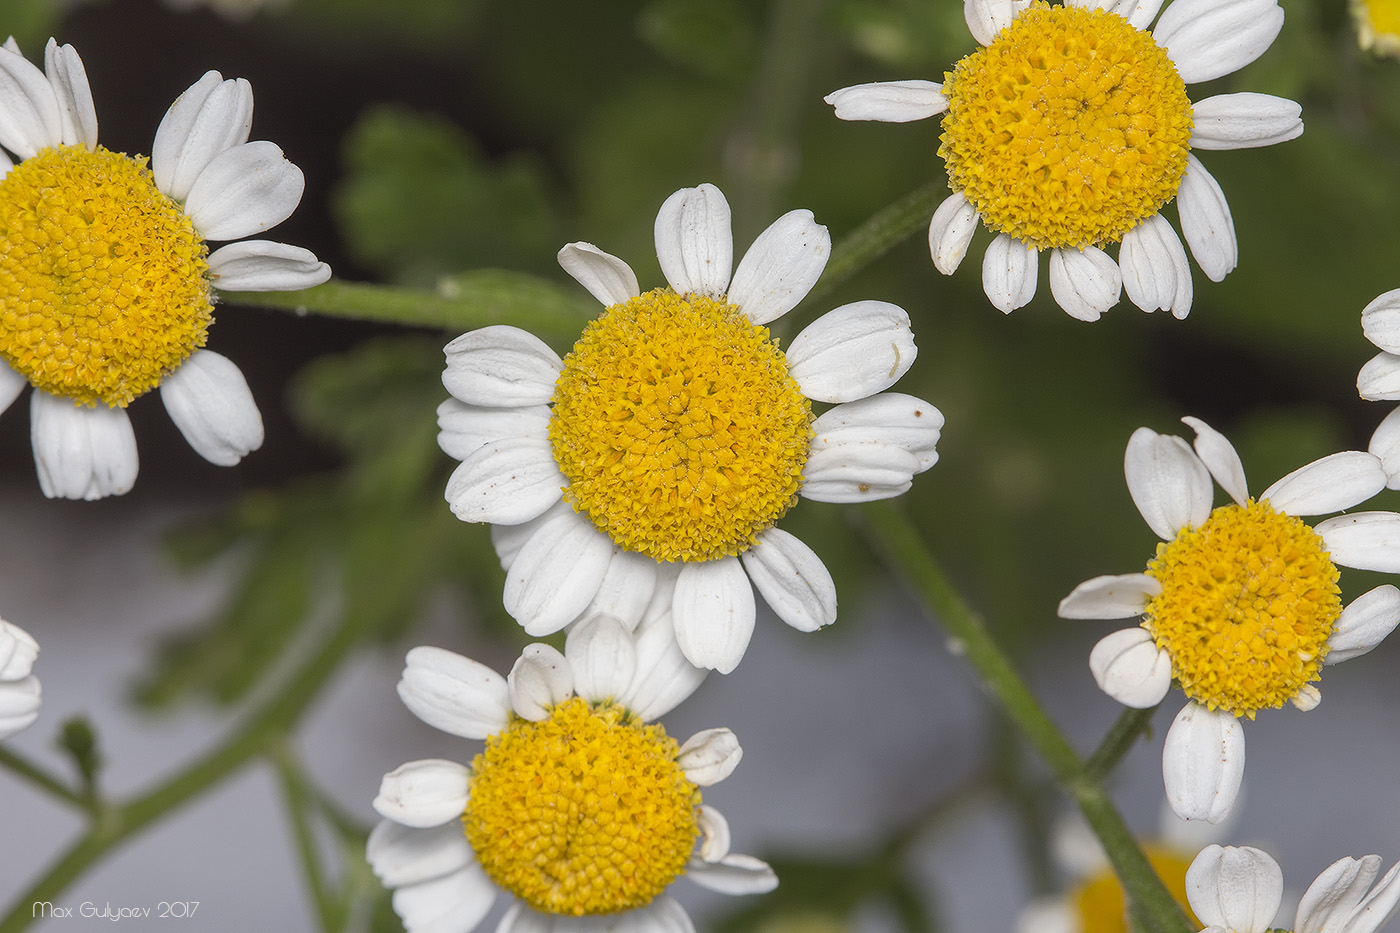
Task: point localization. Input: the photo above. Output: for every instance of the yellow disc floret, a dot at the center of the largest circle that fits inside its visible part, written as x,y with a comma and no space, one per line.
103,287
678,427
1099,900
1248,601
586,812
1071,128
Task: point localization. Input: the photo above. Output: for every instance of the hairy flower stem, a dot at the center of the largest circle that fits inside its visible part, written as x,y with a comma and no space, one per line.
1153,907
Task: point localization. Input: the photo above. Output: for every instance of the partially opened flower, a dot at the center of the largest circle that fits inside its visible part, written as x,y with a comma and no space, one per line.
1239,890
677,432
1241,605
580,807
1071,129
1377,26
107,284
19,688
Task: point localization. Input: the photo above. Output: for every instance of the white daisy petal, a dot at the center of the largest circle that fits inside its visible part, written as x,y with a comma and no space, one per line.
19,705
1236,888
1203,763
1364,624
18,651
603,657
606,277
626,588
1363,540
714,834
1221,458
455,694
1379,378
852,352
792,579
6,163
400,855
1336,482
1244,121
986,18
210,402
665,677
463,428
556,574
68,78
11,385
81,453
1169,484
950,232
29,112
1341,900
507,540
211,117
1207,39
1380,321
1155,272
540,680
506,483
713,613
694,243
1009,272
1110,597
886,418
501,367
889,101
780,267
265,266
1086,282
1131,669
451,904
710,756
1206,222
424,793
858,473
244,190
734,874
1139,14
1385,443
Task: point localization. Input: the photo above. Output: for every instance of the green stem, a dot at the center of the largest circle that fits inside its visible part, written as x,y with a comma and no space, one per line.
20,766
1132,725
461,303
115,823
299,804
884,230
904,549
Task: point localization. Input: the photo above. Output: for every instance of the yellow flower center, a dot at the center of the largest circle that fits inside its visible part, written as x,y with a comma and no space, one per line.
678,427
103,287
1068,130
586,812
1100,903
1248,602
1378,25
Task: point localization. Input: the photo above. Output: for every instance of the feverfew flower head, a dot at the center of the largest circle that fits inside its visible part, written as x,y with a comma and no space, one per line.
19,688
663,448
1241,605
107,283
1239,890
1377,26
1072,128
580,807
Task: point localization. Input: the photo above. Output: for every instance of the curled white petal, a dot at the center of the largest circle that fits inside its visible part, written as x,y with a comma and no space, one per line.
1379,378
710,756
265,266
1336,482
244,190
463,428
1385,444
734,874
664,677
694,243
501,367
400,855
19,704
950,231
1110,597
792,579
1236,888
1342,899
210,117
556,574
858,473
1244,120
18,651
30,119
602,656
506,483
1086,282
1009,271
1206,222
1380,321
1207,39
889,101
211,404
714,834
606,277
1220,457
781,267
852,352
540,680
453,903
455,694
1130,668
713,612
986,18
1155,272
66,75
1364,624
81,453
887,418
1203,763
423,793
1169,484
1363,540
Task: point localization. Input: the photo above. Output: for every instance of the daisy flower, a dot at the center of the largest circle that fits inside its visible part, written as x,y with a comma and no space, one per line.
1239,890
19,689
677,432
580,808
107,284
1241,605
1377,26
1071,129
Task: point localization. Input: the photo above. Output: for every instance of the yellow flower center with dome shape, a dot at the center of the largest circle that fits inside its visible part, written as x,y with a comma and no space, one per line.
586,812
1069,130
103,286
1249,599
1099,901
679,428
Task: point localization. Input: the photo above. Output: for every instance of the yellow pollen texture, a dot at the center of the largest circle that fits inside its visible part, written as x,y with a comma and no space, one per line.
1099,900
678,427
1248,601
103,289
586,812
1071,128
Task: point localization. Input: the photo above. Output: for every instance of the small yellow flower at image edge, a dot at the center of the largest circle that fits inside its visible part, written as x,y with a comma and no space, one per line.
1070,130
107,281
1377,26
